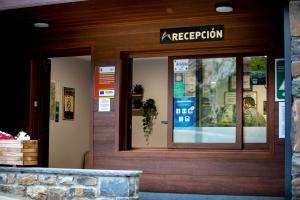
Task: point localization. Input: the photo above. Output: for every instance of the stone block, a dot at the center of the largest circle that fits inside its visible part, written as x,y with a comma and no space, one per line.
82,192
5,188
11,178
13,189
106,198
3,178
132,186
127,198
296,87
19,190
296,164
114,186
296,188
27,179
47,179
294,9
295,49
57,193
66,180
137,187
87,180
296,69
295,133
37,192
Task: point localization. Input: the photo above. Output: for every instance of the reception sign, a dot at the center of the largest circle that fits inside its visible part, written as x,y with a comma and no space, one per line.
192,34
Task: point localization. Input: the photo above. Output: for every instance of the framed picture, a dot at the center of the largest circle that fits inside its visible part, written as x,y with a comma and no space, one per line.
68,103
247,86
53,88
230,98
228,116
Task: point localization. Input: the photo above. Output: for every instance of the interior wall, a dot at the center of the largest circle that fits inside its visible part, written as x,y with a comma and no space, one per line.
152,73
69,139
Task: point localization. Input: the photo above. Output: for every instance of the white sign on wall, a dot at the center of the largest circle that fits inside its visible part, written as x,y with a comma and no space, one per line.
281,120
104,105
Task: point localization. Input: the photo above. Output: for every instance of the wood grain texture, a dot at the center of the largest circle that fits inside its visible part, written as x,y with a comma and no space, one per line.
113,27
15,152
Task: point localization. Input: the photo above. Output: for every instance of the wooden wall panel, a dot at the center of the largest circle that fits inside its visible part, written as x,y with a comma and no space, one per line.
114,26
213,184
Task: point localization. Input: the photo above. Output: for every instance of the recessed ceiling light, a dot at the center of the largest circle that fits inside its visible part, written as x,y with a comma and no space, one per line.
224,7
41,25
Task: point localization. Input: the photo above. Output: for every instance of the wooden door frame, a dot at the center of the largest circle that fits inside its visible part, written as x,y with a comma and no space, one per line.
37,55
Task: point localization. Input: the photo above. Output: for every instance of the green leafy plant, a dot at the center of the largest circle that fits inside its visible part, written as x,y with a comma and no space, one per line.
138,89
150,113
258,63
137,103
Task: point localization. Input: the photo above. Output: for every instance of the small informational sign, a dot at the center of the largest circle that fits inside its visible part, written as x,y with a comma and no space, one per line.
279,80
178,85
181,65
192,34
105,82
281,120
104,105
184,112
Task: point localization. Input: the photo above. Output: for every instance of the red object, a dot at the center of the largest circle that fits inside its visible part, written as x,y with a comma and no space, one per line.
6,137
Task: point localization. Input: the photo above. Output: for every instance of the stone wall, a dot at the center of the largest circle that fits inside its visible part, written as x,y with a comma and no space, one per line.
295,135
65,184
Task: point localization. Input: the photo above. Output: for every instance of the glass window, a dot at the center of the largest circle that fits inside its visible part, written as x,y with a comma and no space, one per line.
149,82
255,99
204,100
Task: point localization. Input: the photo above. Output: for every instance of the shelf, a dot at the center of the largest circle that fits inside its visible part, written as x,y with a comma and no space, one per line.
136,111
137,95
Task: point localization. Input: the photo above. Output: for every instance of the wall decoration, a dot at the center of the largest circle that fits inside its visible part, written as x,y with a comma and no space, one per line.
56,111
247,86
68,103
52,100
228,117
230,98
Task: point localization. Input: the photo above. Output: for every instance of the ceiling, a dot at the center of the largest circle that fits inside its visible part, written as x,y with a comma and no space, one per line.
14,4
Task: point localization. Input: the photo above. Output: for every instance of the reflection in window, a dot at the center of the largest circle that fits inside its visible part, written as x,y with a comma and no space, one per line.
255,99
204,100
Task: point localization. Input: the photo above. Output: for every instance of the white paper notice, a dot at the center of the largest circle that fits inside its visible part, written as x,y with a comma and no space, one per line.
281,120
104,105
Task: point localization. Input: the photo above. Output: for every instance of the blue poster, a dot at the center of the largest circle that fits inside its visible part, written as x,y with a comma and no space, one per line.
184,112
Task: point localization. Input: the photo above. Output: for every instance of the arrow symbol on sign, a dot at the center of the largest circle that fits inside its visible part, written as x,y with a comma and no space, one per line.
281,86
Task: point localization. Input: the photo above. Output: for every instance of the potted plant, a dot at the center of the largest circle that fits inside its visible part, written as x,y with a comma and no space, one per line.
149,112
138,89
137,103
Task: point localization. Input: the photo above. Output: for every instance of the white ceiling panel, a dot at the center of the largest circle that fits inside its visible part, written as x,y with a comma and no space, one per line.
13,4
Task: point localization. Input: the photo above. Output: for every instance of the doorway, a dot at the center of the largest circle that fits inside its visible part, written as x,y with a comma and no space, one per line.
70,105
